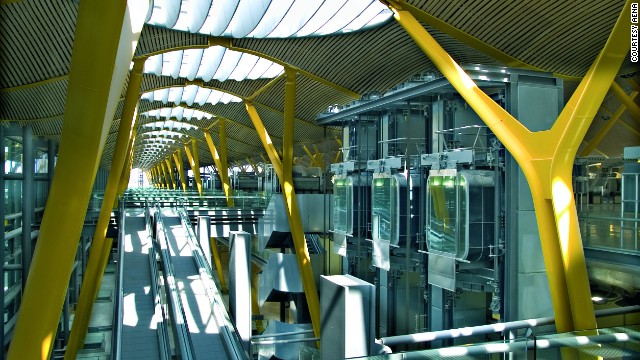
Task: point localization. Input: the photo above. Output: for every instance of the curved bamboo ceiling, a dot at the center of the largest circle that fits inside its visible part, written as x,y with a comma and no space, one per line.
204,57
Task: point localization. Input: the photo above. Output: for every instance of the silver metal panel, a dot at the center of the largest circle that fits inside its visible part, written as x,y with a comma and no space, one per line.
529,244
539,108
533,298
347,308
631,153
340,244
240,284
442,272
281,274
380,255
288,351
204,233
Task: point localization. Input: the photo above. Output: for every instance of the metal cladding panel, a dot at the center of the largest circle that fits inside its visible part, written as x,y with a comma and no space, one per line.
289,351
240,284
347,311
442,272
281,274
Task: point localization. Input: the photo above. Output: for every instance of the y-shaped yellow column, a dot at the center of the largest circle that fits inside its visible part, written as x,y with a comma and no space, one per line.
169,174
177,157
222,169
194,163
283,170
546,157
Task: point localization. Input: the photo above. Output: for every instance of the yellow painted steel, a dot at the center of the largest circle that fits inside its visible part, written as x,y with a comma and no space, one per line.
222,137
196,163
222,171
605,129
632,107
547,168
126,172
34,84
253,165
286,182
213,243
634,84
192,164
96,76
472,41
169,173
101,245
177,157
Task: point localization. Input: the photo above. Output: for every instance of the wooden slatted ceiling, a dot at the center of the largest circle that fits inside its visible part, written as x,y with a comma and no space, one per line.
34,103
36,39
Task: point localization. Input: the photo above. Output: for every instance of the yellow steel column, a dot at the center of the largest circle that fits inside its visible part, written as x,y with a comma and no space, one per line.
101,246
222,171
283,170
605,129
222,136
169,173
177,157
547,168
99,64
166,182
213,243
195,167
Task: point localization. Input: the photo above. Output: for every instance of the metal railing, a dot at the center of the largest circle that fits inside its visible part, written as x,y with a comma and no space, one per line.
229,335
182,337
116,345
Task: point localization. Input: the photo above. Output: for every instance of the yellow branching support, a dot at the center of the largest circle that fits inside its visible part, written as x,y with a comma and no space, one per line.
547,168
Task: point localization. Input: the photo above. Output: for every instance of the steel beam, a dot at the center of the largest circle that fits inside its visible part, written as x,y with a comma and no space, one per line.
547,168
101,245
222,170
169,173
99,64
177,157
194,163
286,182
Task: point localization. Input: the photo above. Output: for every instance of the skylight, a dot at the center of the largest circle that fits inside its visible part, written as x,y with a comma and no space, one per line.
216,62
268,19
189,95
170,125
177,112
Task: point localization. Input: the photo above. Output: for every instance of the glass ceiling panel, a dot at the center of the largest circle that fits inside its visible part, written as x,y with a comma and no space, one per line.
268,18
170,125
189,95
215,62
177,112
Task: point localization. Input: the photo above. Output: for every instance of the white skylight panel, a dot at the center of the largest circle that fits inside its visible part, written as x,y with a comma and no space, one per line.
202,96
344,16
214,97
177,112
376,8
248,15
153,65
189,94
272,18
268,18
227,98
379,19
193,14
171,62
298,15
228,63
188,114
175,95
259,69
244,66
165,13
166,112
210,62
191,60
273,71
321,17
220,15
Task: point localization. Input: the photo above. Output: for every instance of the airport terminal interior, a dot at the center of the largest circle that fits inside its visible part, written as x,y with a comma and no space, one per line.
320,179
